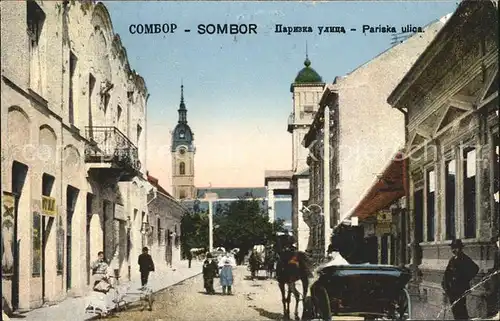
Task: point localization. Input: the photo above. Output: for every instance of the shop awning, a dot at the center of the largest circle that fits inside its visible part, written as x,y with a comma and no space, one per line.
389,187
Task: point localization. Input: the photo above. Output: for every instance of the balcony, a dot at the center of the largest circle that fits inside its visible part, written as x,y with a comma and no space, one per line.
290,122
110,155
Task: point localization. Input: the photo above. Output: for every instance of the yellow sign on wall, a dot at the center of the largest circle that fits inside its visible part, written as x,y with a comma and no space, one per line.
384,222
49,206
384,217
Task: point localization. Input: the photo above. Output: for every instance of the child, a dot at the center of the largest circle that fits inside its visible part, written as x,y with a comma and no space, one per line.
226,277
210,271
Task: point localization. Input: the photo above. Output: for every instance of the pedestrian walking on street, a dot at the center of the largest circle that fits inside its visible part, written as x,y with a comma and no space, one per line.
146,265
189,257
210,271
226,277
459,273
254,262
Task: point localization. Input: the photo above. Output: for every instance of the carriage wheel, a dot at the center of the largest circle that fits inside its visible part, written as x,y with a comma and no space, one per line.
320,301
404,306
308,312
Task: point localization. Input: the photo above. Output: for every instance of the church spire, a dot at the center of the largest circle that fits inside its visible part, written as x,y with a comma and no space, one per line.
182,107
307,62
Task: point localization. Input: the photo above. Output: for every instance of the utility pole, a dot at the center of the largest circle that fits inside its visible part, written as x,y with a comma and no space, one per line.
326,178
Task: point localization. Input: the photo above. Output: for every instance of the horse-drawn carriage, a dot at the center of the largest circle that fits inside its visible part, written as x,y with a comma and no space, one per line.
262,258
351,288
362,290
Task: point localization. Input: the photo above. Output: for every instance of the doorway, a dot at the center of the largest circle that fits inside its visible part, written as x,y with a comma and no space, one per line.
47,184
418,199
384,246
19,174
90,199
169,247
71,198
104,229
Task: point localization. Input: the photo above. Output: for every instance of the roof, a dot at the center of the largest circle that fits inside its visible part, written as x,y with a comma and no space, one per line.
307,75
155,182
452,23
278,174
182,134
232,192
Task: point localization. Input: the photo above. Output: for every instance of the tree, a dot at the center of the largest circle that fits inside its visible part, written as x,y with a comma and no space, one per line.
243,224
194,228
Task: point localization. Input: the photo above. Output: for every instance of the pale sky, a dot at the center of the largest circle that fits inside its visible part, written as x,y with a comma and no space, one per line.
237,88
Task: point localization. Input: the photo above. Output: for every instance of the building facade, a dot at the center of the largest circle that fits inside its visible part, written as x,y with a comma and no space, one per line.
163,229
74,121
364,133
450,97
183,151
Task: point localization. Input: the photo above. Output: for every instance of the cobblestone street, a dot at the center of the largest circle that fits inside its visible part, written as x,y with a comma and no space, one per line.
251,300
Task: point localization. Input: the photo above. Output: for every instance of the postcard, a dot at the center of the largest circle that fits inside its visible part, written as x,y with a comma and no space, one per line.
250,160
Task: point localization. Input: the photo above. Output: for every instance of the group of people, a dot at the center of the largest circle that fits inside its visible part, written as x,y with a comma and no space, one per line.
212,269
256,262
460,271
101,274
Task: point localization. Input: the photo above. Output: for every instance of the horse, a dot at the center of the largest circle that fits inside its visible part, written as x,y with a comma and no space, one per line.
292,266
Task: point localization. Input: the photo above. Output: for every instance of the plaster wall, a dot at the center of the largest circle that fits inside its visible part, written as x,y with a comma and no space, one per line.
302,227
166,252
305,105
371,132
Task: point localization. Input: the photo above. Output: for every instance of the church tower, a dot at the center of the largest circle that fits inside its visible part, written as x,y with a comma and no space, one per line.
183,151
306,90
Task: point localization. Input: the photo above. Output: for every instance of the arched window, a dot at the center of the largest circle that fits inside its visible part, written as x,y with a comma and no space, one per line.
182,168
182,134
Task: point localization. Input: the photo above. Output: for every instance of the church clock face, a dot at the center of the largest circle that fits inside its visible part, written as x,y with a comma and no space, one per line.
182,151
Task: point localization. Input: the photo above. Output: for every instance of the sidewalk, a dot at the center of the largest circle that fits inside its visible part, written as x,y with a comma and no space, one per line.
425,311
74,308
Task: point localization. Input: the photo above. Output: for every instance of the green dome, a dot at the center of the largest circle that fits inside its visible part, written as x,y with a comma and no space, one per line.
308,75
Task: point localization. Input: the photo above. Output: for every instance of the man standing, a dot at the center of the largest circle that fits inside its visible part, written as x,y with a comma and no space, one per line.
210,271
460,271
146,265
254,262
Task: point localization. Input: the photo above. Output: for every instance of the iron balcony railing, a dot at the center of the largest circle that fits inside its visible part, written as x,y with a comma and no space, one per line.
109,145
